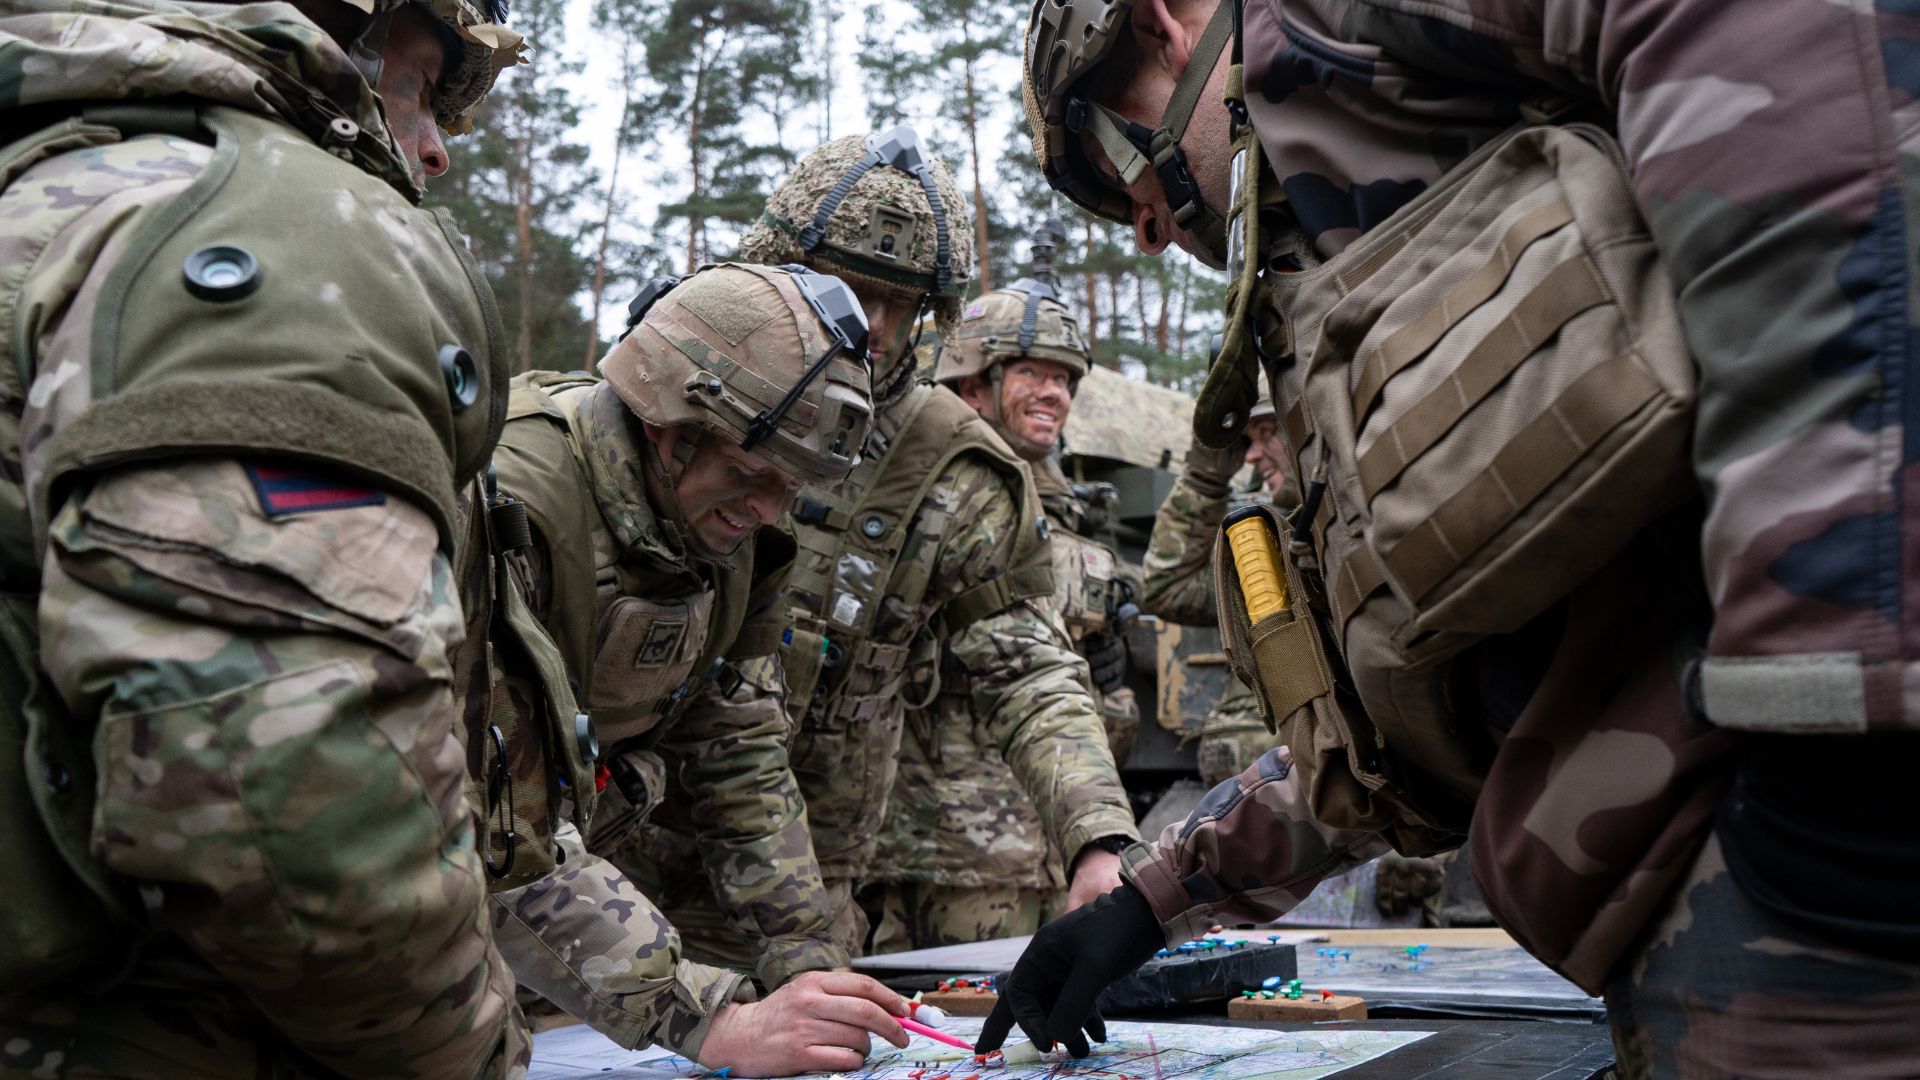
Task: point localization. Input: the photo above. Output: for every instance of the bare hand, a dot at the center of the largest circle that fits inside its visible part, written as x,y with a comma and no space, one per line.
819,1022
1095,873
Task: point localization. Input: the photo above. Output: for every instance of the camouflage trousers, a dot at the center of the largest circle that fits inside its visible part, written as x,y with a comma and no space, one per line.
923,915
709,937
1722,987
173,1019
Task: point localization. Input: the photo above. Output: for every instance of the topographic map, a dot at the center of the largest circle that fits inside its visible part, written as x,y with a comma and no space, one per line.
1132,1052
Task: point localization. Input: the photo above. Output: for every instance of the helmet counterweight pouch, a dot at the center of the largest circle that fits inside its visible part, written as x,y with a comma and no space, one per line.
1491,395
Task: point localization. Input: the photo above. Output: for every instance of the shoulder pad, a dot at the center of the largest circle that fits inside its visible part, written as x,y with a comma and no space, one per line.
292,304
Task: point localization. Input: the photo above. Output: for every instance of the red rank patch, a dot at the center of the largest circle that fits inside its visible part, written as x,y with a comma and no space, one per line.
287,490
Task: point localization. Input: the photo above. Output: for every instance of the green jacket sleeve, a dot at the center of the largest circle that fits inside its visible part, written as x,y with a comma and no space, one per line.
1179,560
585,939
1027,684
729,753
278,768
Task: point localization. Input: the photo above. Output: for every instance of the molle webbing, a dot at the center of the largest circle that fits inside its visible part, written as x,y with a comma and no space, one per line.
936,427
1411,342
1544,450
1571,288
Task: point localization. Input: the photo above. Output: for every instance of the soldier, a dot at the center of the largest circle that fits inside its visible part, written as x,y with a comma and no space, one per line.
246,377
927,568
1178,575
631,512
964,856
1769,712
1179,588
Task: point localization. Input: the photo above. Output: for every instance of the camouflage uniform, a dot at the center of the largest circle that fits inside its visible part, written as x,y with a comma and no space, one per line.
1178,571
1798,651
964,855
944,614
227,557
672,646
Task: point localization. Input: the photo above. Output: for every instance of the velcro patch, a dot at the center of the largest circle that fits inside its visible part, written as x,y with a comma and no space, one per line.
284,490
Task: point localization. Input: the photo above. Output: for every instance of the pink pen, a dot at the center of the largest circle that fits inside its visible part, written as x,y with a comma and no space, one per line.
919,1028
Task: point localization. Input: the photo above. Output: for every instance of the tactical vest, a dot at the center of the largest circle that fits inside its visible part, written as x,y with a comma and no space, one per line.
638,660
531,753
1486,397
1085,571
850,688
175,375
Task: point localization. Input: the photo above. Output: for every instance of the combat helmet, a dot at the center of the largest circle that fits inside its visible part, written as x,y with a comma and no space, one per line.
1026,318
877,207
1066,40
485,48
772,359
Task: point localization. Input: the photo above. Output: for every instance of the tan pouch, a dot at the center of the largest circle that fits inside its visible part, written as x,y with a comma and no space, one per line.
1307,699
647,650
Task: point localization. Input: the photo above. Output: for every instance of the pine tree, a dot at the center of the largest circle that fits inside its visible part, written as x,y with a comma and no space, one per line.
717,63
942,53
515,187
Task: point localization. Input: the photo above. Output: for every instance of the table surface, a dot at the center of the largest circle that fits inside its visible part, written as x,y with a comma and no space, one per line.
1457,1049
1462,974
1477,1049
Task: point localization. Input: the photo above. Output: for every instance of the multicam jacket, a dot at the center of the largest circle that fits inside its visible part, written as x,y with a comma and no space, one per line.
1027,688
958,814
225,524
1792,268
708,754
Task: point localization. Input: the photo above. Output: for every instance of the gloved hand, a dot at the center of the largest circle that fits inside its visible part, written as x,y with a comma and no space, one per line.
1053,989
1210,471
1107,656
1400,883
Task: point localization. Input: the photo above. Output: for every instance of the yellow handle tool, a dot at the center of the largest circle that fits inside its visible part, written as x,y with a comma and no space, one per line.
1256,562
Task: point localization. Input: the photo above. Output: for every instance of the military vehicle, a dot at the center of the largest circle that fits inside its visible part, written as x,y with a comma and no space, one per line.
1125,441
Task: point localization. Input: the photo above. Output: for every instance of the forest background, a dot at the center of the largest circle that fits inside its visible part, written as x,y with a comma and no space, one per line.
644,136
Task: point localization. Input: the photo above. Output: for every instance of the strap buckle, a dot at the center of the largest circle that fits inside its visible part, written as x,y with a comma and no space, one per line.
811,512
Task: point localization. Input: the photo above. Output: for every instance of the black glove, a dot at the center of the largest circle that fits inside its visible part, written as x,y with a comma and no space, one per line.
1400,883
1107,656
1053,989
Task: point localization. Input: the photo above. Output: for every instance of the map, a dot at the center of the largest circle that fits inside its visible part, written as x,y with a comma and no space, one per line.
1133,1051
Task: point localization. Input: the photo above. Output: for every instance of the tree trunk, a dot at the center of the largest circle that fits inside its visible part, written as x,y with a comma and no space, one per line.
606,218
973,142
1160,330
1093,296
827,52
695,109
1186,297
523,242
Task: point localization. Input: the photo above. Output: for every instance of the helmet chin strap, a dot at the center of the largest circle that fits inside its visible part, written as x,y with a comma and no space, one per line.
899,377
365,50
666,478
